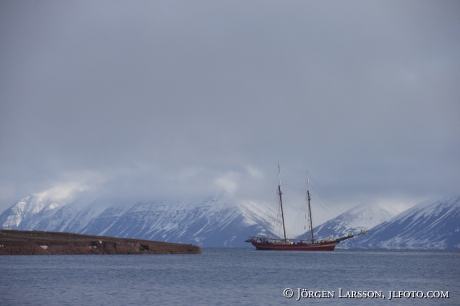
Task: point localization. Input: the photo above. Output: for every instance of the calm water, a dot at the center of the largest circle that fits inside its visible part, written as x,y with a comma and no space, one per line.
227,277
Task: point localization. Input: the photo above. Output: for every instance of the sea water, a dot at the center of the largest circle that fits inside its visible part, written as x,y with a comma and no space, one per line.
229,276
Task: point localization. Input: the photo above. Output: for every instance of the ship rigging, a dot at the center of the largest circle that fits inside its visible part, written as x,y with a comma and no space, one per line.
296,244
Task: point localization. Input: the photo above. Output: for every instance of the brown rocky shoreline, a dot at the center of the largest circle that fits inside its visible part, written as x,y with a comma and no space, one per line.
13,242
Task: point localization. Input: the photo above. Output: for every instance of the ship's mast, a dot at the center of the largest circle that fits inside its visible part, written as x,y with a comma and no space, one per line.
309,208
281,200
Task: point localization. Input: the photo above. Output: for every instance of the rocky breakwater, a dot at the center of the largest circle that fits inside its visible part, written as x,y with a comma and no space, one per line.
14,242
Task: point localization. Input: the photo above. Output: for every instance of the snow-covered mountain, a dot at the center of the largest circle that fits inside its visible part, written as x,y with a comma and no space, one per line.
221,222
427,225
359,218
29,212
210,222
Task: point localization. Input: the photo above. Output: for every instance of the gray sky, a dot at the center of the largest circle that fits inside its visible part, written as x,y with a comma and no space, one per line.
187,98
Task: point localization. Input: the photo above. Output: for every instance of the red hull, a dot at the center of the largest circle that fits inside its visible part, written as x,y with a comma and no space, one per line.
322,246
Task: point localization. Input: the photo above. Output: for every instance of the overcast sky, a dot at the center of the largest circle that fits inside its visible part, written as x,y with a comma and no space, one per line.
189,98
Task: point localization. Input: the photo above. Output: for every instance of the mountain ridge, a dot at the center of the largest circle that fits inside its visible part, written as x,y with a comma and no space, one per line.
219,221
213,221
424,226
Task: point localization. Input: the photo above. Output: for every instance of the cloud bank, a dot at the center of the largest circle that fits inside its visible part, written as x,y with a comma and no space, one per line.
178,98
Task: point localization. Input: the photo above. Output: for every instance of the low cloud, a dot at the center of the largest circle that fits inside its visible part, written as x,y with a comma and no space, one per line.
174,99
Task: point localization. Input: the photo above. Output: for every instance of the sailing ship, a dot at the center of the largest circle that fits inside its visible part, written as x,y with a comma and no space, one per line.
293,244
